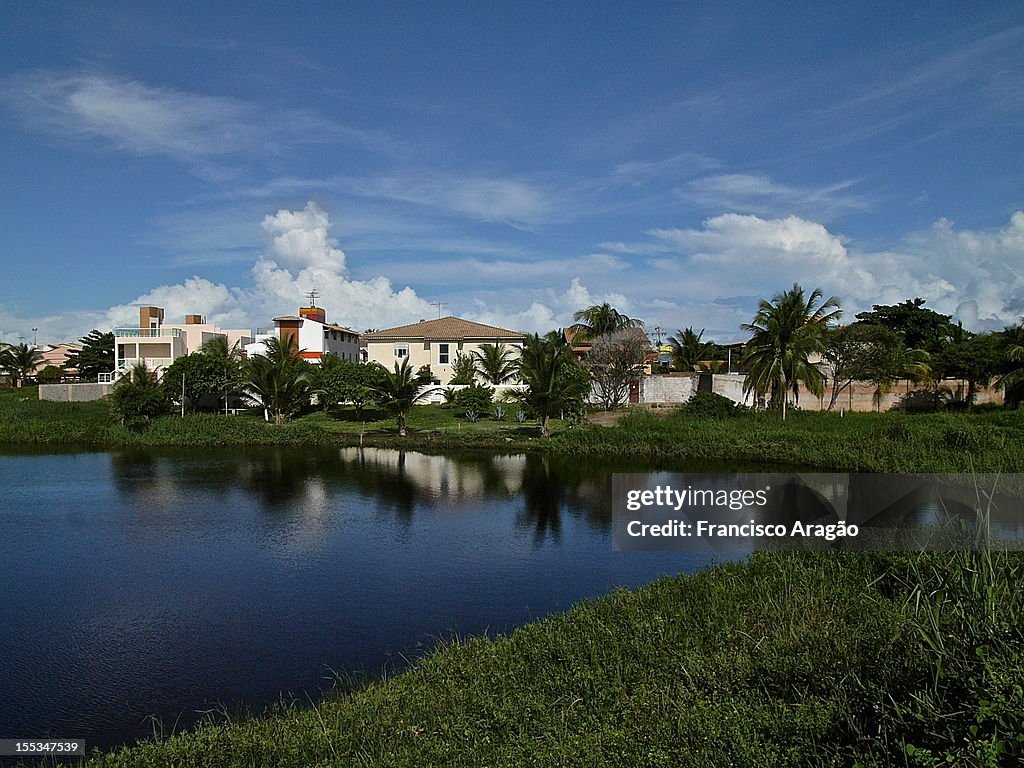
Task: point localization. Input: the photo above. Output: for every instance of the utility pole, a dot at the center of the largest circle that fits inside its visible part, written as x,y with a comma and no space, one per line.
35,337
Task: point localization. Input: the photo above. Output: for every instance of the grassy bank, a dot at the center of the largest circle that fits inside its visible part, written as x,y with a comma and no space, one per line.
798,660
989,441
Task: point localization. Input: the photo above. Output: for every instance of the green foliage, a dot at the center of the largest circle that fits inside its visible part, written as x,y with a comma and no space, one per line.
786,332
138,399
555,383
496,363
398,391
51,374
476,398
708,405
95,357
206,379
976,359
688,351
339,381
920,328
463,369
20,361
601,319
278,381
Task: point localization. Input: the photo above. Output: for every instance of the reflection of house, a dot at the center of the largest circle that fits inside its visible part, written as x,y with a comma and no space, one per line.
312,334
158,344
436,343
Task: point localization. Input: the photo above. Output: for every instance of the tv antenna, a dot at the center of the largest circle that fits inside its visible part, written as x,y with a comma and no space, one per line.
438,304
313,295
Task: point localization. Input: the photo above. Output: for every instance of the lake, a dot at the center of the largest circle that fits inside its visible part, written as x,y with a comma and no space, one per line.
138,589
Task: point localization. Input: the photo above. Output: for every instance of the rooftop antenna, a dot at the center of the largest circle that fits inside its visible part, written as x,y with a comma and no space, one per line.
313,295
438,304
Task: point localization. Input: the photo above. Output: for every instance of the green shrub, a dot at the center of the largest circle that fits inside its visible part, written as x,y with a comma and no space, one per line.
477,398
708,405
51,374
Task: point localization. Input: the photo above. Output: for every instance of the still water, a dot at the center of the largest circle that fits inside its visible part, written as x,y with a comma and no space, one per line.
150,586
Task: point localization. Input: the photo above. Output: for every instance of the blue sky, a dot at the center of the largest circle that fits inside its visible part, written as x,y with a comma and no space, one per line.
515,162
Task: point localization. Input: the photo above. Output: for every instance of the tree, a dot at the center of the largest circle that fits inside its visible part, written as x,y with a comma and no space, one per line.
463,369
601,319
976,359
346,381
862,352
207,379
920,328
95,357
20,361
615,361
495,363
1011,377
555,383
398,391
137,398
688,350
786,332
278,380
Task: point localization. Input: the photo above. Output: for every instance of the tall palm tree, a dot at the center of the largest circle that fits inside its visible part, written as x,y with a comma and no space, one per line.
218,347
554,381
688,350
20,361
786,332
278,380
601,319
398,391
496,363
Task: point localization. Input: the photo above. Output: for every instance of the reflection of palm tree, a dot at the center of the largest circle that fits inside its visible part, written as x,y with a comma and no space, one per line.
544,493
787,331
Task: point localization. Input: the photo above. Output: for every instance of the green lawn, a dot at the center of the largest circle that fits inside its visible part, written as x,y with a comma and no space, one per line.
988,441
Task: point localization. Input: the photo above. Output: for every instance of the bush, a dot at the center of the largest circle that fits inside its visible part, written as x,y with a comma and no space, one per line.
51,374
476,398
137,399
707,405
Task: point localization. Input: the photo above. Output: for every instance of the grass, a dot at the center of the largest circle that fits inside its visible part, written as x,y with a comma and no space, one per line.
988,441
780,661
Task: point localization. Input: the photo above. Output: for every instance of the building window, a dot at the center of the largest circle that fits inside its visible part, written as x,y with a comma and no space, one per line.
401,350
443,354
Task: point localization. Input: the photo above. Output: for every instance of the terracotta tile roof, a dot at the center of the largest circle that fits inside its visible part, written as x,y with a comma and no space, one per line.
292,318
445,329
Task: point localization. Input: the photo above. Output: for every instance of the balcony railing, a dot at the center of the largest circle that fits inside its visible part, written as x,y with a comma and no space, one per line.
147,333
151,362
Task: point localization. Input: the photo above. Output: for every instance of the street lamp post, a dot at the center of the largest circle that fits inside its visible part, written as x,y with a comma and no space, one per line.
35,337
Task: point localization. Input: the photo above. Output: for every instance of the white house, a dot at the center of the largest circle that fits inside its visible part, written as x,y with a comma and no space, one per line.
314,336
158,344
436,343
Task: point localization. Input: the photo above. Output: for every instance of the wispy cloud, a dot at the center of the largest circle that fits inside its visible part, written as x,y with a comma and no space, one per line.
197,129
757,193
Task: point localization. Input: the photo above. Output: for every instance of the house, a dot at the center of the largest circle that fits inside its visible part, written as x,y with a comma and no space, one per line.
57,354
313,335
436,343
158,344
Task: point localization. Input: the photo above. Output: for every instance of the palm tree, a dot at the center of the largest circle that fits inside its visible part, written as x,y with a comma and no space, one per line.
218,347
601,319
554,381
20,361
398,391
278,380
496,363
786,332
688,350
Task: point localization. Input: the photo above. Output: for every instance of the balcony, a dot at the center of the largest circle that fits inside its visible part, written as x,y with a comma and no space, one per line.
147,333
152,363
